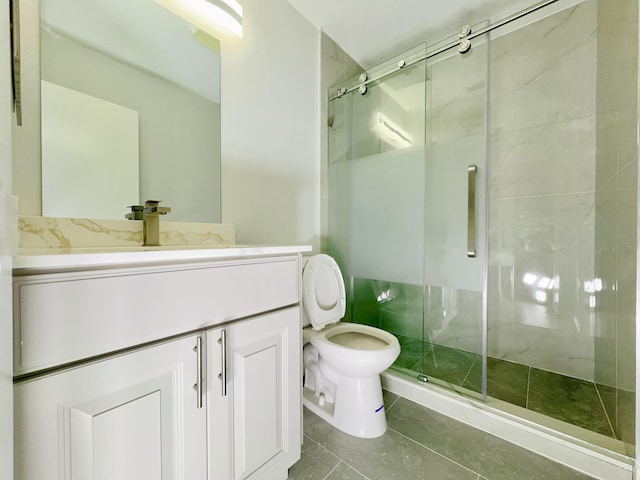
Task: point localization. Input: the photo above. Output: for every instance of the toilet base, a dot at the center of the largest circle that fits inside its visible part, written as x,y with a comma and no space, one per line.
358,409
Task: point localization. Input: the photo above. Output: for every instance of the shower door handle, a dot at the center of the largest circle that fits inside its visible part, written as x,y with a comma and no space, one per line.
471,210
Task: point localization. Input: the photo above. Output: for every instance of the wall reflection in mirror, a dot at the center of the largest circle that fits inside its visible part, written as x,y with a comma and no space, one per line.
140,60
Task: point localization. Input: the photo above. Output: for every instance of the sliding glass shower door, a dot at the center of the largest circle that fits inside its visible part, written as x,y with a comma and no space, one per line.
455,216
407,207
538,313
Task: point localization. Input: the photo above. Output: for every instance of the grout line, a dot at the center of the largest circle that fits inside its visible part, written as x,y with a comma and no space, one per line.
323,447
526,403
355,470
433,451
351,467
469,371
340,460
528,197
332,470
392,403
418,362
606,414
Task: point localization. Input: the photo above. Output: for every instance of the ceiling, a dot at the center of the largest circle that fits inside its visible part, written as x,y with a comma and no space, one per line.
371,31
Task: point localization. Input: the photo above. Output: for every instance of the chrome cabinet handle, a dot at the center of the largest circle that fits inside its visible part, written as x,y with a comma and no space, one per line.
223,374
471,210
198,384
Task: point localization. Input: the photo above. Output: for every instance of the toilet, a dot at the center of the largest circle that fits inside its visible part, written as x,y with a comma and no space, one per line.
342,361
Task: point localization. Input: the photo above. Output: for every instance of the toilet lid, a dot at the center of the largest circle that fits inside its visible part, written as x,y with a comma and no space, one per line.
323,291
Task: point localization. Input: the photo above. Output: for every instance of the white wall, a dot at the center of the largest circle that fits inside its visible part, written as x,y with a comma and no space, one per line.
270,127
7,230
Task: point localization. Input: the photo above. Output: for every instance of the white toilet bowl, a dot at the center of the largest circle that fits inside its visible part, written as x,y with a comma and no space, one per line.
342,362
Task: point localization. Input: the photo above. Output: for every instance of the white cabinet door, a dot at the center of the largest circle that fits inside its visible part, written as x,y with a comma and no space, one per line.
262,402
130,417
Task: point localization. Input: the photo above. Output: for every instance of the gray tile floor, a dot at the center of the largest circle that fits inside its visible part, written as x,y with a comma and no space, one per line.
419,444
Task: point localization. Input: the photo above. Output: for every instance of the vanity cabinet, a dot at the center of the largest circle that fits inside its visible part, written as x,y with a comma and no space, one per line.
184,371
131,417
253,394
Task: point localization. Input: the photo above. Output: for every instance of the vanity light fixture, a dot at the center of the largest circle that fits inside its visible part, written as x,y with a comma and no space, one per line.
210,16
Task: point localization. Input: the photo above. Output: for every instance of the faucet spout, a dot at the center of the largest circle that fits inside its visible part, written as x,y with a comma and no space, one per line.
137,213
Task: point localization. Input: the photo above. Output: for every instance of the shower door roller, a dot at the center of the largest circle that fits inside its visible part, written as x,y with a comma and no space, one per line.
465,31
465,46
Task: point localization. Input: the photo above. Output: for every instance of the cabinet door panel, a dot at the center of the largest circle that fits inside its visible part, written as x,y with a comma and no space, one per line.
258,403
129,417
138,451
266,402
104,444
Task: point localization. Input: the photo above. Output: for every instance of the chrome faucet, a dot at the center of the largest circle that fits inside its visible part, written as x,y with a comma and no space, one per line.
150,215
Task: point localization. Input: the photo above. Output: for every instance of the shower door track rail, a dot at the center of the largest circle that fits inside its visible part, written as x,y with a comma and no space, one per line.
444,48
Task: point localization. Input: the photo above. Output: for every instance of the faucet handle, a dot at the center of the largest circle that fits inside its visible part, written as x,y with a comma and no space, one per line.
137,212
152,206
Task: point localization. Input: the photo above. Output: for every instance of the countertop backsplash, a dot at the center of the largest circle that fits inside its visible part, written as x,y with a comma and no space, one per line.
38,233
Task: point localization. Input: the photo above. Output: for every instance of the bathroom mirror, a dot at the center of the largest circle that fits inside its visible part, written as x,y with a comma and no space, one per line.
139,56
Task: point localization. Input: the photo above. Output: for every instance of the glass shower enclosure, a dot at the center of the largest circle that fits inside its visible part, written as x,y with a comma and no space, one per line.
482,208
407,208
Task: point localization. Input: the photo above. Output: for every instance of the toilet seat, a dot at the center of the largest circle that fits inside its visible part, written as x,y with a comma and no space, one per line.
323,293
342,361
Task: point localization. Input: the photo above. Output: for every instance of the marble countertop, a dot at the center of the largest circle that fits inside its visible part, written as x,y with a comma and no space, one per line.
41,260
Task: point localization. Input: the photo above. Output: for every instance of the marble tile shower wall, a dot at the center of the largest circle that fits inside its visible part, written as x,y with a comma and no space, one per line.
616,212
336,66
542,195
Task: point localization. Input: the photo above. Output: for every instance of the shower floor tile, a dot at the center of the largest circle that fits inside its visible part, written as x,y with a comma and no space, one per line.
568,399
626,419
411,352
506,381
447,364
564,398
